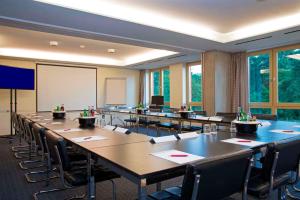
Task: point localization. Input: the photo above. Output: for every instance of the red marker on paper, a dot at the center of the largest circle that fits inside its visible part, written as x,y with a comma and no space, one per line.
244,141
179,155
287,131
67,129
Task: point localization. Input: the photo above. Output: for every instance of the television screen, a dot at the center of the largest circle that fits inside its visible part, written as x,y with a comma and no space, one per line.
157,100
16,78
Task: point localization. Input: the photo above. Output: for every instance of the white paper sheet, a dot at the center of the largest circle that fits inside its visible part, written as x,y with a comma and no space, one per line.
167,155
47,119
68,130
265,123
109,127
88,138
37,116
54,123
43,123
201,117
121,130
244,142
285,131
124,111
215,118
164,139
188,135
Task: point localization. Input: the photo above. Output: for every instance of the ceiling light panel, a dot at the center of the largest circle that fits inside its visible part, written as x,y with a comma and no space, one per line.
151,18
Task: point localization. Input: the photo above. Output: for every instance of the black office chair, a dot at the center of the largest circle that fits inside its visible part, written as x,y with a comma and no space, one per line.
39,135
168,125
265,116
212,179
281,158
72,174
131,121
190,127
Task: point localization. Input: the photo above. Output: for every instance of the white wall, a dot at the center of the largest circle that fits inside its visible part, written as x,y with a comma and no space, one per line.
27,99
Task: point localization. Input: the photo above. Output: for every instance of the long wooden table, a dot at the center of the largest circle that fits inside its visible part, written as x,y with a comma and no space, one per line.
130,155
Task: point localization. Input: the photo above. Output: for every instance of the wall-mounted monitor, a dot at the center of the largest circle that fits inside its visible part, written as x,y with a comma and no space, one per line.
16,78
157,100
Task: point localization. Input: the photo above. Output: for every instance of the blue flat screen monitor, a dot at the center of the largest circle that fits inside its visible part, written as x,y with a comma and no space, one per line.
157,100
16,78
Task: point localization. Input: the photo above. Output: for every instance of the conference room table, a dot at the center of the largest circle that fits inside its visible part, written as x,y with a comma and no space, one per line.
170,116
132,157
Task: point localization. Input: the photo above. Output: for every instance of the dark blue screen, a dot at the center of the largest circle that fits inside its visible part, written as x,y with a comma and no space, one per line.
16,78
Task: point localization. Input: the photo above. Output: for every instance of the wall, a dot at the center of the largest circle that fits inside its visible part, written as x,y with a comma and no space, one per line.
177,85
27,99
132,83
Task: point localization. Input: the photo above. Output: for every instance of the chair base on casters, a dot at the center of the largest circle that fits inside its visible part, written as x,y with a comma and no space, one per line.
22,164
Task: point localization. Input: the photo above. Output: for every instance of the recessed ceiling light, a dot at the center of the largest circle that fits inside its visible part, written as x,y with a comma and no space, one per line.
53,43
111,50
82,46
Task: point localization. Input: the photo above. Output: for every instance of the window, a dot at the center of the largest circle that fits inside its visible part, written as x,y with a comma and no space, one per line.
274,82
194,85
160,84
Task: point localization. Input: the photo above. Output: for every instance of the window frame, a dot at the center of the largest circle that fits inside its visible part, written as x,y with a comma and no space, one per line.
188,84
273,104
161,74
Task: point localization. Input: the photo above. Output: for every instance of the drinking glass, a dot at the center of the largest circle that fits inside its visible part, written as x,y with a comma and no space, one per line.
206,129
232,127
213,128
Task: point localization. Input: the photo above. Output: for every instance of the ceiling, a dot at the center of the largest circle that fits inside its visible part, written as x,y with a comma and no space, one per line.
187,27
18,42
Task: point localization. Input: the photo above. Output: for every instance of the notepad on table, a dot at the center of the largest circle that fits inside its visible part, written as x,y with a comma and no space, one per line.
188,135
109,127
176,156
215,118
68,130
121,130
244,142
201,117
162,139
285,131
88,138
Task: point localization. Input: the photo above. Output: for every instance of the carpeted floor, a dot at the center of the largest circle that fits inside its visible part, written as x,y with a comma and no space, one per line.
13,185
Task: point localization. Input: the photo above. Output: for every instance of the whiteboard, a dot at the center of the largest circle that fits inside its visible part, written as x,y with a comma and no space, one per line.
115,91
74,87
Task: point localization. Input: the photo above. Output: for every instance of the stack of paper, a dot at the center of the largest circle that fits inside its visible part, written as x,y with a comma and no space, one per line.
178,157
285,131
188,135
244,142
68,130
163,139
88,138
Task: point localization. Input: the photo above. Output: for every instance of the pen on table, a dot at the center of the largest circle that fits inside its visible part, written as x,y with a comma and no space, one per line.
179,155
244,140
288,131
67,129
87,138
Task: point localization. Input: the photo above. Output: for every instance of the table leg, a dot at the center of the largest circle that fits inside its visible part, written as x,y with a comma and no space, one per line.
158,186
137,123
91,193
142,193
111,118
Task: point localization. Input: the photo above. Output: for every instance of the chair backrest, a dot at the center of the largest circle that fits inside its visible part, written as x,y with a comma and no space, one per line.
28,130
39,134
202,112
217,178
59,156
21,124
266,116
288,152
